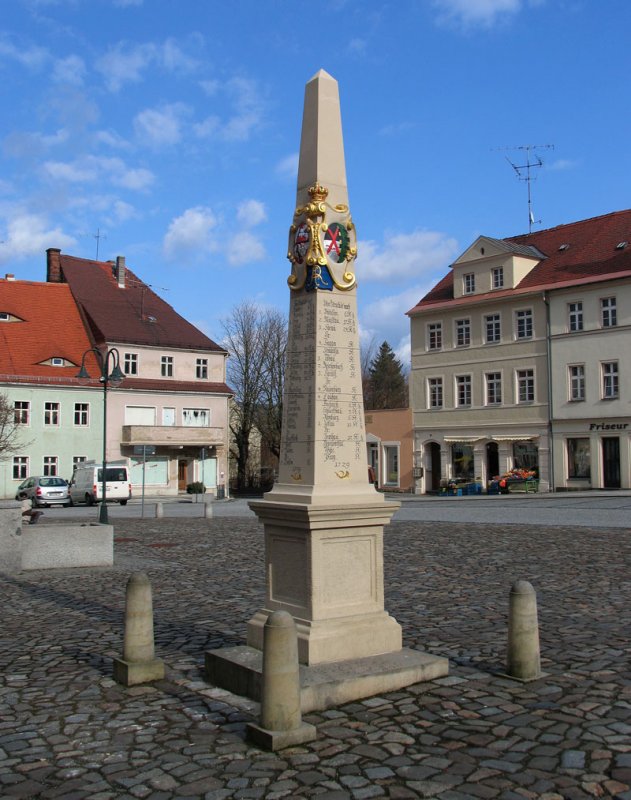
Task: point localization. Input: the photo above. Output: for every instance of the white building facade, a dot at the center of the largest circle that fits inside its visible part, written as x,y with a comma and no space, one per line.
517,361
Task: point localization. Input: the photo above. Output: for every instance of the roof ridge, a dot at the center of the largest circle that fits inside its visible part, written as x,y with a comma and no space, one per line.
568,224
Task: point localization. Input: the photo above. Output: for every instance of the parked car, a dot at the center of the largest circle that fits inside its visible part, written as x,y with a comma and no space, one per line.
44,491
86,484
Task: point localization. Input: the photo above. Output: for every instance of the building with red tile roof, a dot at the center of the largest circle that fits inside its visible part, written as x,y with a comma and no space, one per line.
42,342
174,398
519,360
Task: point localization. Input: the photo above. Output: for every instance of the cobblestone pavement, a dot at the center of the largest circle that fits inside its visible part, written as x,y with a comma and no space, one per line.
68,731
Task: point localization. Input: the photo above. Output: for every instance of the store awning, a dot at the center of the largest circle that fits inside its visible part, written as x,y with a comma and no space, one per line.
462,439
513,438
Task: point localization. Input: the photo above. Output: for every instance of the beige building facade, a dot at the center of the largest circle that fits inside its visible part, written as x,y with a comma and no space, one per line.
518,360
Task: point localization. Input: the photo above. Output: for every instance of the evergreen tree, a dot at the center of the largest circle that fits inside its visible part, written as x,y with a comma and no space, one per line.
388,388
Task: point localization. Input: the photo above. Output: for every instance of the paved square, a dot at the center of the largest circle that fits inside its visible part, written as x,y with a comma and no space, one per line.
68,731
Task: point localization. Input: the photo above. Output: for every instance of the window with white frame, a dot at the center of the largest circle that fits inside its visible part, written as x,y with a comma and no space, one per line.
468,283
577,382
524,323
463,390
20,468
575,316
76,460
435,392
166,366
196,417
201,368
463,332
51,464
434,335
492,328
525,385
608,312
497,277
51,413
391,464
82,414
610,380
130,364
493,388
21,412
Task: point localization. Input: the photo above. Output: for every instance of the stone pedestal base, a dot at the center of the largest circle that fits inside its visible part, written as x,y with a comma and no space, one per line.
277,740
131,673
239,670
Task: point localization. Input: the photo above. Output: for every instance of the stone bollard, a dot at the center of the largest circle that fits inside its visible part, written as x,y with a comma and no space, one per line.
523,662
138,664
159,510
208,510
281,719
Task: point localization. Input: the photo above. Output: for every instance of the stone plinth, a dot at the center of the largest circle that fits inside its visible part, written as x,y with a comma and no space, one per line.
324,565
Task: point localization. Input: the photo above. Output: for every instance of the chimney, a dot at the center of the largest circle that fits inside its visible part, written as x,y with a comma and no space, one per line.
120,271
9,276
53,265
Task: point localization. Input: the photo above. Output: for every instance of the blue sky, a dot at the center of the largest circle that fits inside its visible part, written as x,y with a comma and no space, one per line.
173,129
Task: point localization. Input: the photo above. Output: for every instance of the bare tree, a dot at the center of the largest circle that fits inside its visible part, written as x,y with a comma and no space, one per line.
255,339
10,439
367,354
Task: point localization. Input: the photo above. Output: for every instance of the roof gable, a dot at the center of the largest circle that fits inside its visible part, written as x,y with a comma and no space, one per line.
133,314
487,247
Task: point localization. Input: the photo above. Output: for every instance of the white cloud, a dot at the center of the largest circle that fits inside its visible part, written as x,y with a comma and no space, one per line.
474,13
190,236
29,235
245,248
92,168
246,97
111,139
251,213
69,70
207,127
405,255
562,164
31,57
161,127
125,63
288,166
385,320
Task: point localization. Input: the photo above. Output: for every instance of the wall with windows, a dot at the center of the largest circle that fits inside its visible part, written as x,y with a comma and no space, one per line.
171,363
58,426
591,328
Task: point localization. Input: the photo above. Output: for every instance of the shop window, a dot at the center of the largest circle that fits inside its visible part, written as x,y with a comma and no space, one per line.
391,461
462,461
526,456
578,458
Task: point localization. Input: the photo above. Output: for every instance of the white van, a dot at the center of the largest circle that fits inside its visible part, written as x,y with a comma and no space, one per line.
86,484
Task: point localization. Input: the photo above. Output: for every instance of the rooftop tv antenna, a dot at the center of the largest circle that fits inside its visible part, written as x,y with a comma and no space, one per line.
98,236
533,161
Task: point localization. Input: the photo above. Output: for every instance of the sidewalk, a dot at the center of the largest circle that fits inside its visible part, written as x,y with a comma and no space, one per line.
68,731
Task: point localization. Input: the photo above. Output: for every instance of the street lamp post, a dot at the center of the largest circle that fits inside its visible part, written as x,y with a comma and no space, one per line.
108,379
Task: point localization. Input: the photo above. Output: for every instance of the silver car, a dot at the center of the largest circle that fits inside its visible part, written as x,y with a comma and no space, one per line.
44,491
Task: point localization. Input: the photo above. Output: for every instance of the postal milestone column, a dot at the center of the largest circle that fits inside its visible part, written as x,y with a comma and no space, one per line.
323,519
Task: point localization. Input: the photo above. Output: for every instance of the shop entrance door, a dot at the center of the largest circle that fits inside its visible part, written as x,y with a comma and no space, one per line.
434,454
611,462
492,460
182,470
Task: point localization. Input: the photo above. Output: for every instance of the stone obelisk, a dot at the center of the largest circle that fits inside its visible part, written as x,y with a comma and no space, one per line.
324,520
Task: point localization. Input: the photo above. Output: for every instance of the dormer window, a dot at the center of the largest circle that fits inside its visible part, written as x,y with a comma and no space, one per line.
57,361
6,317
468,283
497,275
